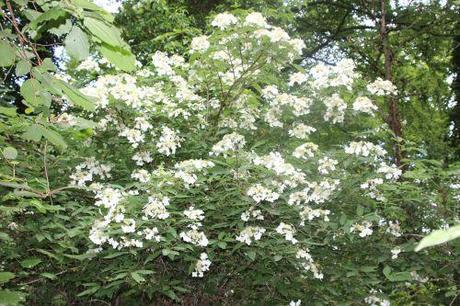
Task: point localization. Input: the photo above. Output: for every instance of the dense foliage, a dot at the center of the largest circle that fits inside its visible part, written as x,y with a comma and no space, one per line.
233,171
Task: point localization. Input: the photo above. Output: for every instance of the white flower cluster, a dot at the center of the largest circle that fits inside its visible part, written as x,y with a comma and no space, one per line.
307,263
169,141
374,300
364,229
395,253
305,151
194,236
199,44
260,193
250,233
156,208
343,74
229,143
224,20
335,109
86,171
256,19
326,165
121,87
364,148
390,172
308,213
142,157
288,231
371,186
185,170
108,197
141,175
394,228
295,303
382,87
202,265
193,214
364,105
314,192
301,131
256,214
297,78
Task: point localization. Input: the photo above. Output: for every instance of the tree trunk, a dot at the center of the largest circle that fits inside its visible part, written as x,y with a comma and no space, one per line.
394,117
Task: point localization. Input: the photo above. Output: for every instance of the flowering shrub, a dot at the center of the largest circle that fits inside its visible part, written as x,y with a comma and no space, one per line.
228,173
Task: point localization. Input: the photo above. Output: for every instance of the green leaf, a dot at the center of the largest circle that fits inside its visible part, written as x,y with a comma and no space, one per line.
438,237
103,31
53,137
47,65
93,7
75,96
7,54
32,92
49,275
138,278
33,132
76,44
121,58
23,67
62,28
10,153
8,297
89,291
8,111
251,255
6,276
52,14
30,262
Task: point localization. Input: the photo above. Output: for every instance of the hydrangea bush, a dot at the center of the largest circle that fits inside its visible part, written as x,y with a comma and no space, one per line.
231,174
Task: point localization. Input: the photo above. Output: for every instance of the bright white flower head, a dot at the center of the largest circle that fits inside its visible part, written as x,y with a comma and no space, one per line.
250,233
202,265
229,143
382,87
260,193
364,105
256,19
199,44
288,231
224,20
364,229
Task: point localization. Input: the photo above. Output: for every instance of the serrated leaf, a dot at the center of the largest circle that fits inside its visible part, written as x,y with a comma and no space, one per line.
10,153
52,14
47,65
23,67
75,96
33,94
7,54
121,58
6,276
103,31
77,44
93,7
438,237
33,133
53,137
62,28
